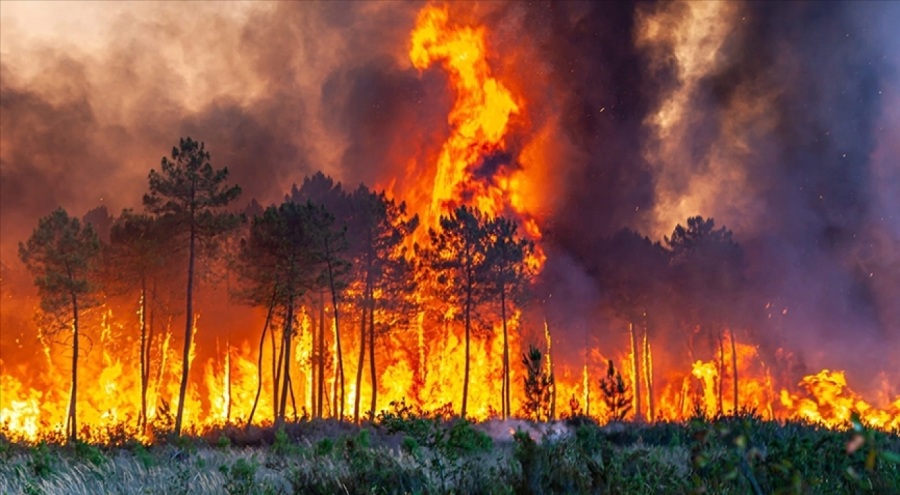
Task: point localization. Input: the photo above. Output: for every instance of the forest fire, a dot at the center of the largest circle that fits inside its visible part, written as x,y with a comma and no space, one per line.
442,297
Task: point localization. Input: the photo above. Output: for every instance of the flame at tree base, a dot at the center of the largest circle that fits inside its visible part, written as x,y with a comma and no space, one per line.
111,404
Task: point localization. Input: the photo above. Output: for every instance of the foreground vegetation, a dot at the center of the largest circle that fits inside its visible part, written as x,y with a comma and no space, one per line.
408,452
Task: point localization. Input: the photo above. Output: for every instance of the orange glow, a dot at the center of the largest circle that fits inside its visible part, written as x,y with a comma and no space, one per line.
825,398
479,121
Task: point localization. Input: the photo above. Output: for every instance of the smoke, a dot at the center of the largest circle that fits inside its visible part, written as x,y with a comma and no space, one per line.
779,120
268,87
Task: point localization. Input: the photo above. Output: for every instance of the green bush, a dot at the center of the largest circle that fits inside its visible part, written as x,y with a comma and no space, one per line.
409,452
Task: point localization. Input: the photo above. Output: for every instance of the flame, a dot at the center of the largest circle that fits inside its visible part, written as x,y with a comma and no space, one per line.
825,398
479,118
479,121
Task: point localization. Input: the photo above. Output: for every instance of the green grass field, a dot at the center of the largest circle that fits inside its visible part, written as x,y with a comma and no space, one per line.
407,453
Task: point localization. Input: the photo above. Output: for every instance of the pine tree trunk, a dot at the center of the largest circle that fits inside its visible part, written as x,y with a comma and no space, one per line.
313,367
188,327
360,363
505,392
648,374
145,377
734,368
148,355
286,356
374,376
638,414
321,401
468,310
276,371
279,362
228,381
549,337
71,420
259,362
337,341
720,385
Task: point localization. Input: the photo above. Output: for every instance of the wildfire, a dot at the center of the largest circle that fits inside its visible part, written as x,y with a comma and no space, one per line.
825,398
423,365
479,119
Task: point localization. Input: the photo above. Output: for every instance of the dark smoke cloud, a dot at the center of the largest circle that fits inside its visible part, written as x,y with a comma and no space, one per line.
808,90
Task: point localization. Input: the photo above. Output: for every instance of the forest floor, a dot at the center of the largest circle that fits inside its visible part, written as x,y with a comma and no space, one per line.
403,453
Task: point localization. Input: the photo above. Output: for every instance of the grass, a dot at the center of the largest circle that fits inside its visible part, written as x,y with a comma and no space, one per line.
410,452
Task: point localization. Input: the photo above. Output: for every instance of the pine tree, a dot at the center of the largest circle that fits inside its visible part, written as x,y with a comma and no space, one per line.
616,394
507,275
538,382
62,257
456,257
190,195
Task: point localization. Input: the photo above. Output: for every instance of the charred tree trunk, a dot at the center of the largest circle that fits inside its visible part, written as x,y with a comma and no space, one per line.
720,385
286,358
547,335
259,362
374,377
279,361
276,371
72,428
189,321
648,373
360,363
228,382
505,387
145,365
149,344
312,365
337,329
734,368
293,399
321,400
468,316
638,413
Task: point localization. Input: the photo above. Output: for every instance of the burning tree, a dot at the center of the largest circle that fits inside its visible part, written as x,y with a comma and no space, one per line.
278,263
508,273
708,275
538,383
616,395
331,243
62,256
457,258
634,270
336,210
136,254
379,229
189,194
